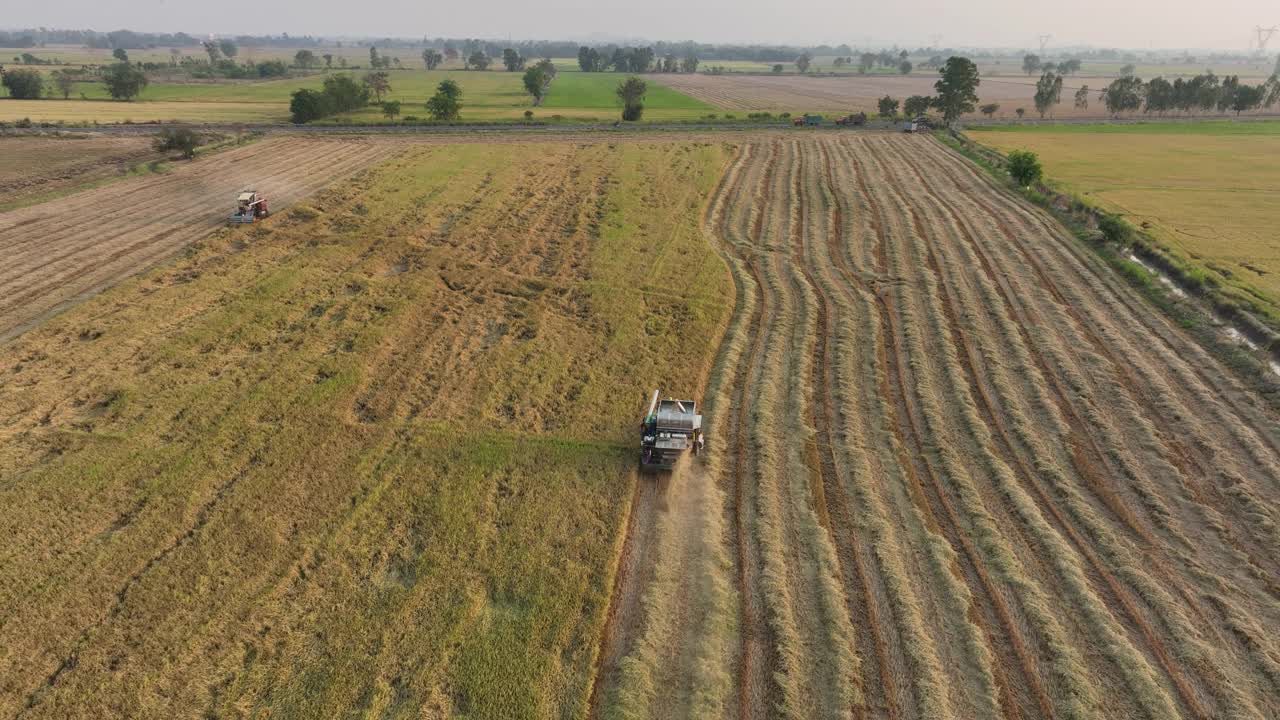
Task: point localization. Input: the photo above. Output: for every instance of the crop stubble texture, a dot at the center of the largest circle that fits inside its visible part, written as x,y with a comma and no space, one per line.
965,470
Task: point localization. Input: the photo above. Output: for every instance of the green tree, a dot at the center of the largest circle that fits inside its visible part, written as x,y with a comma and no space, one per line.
378,84
123,81
304,59
990,109
432,58
866,61
905,67
120,54
65,81
689,64
308,105
536,83
391,109
23,84
917,105
228,47
1069,67
1025,168
957,88
631,92
447,102
1031,63
1020,112
213,51
328,60
777,68
1248,97
344,93
802,62
477,60
590,59
1123,95
1082,98
1048,92
888,107
512,60
181,139
1128,70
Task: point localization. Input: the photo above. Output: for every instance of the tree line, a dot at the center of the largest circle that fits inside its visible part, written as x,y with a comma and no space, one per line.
633,60
1128,94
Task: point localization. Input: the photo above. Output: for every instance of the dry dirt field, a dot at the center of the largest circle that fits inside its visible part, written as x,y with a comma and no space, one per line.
56,253
957,470
851,93
35,166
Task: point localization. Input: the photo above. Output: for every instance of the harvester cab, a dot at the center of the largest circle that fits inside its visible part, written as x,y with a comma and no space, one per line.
670,428
250,206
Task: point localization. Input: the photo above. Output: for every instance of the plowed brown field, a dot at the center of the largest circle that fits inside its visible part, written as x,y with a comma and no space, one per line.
57,252
959,470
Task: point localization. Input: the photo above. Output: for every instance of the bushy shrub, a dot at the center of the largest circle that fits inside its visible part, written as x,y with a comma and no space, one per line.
1115,230
184,140
1025,168
24,84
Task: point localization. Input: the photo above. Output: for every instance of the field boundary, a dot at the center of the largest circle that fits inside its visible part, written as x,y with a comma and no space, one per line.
1195,306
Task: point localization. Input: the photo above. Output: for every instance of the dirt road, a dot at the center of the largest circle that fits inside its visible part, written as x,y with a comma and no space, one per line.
59,252
958,468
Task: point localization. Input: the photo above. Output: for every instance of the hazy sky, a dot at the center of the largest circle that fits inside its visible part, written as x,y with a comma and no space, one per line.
1009,23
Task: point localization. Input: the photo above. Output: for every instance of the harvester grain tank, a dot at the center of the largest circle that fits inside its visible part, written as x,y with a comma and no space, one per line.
670,429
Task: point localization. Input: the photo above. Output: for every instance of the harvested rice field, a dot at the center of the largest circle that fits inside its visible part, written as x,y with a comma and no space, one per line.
376,455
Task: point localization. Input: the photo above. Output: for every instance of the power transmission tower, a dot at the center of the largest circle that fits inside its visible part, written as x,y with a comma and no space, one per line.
1044,40
1264,37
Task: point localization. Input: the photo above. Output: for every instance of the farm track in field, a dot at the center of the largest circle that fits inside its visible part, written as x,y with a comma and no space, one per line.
61,251
966,471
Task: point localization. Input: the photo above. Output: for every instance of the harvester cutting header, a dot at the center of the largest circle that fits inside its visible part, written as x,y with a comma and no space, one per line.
669,429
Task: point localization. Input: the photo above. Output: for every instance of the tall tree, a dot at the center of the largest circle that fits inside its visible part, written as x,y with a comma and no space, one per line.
432,58
1082,98
213,51
65,81
378,83
1048,92
888,106
228,47
120,54
536,83
990,109
1128,70
304,59
802,62
1068,67
904,67
631,92
447,102
957,88
689,64
512,60
1031,63
477,60
1123,95
328,60
866,61
123,81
